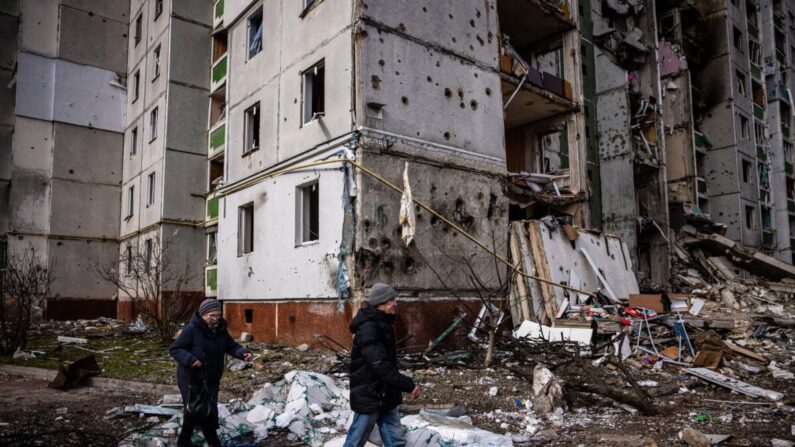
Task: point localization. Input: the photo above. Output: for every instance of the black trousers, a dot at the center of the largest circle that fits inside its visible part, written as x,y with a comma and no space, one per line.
209,428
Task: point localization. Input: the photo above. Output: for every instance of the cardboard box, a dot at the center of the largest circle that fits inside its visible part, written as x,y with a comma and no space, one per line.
649,301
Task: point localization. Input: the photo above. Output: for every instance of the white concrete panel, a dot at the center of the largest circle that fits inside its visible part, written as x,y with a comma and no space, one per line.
33,145
239,166
39,27
277,268
84,209
188,65
301,36
429,95
73,264
89,96
150,214
465,26
35,86
186,119
247,75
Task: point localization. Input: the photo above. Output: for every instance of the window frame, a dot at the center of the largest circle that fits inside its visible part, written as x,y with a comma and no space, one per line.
308,79
251,35
153,116
128,260
130,202
150,186
136,85
148,252
307,213
156,65
134,141
138,29
245,229
158,8
252,121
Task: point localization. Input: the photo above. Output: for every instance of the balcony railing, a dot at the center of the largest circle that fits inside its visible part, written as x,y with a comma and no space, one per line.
764,196
218,76
756,71
785,131
767,237
212,208
791,206
702,143
217,139
761,154
211,280
753,31
781,57
788,168
759,112
218,13
701,187
778,20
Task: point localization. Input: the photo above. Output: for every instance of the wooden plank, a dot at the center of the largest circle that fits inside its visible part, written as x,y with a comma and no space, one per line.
733,384
542,271
521,290
745,352
536,304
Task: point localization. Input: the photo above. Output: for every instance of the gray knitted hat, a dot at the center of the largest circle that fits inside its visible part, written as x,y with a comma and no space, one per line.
380,294
209,305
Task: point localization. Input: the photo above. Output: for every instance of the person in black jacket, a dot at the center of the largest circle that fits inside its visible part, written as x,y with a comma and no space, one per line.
376,382
199,351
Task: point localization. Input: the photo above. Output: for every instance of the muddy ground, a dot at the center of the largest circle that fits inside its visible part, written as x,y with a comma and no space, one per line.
28,409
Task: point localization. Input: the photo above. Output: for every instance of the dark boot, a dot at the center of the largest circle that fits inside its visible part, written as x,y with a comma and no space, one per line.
211,436
185,434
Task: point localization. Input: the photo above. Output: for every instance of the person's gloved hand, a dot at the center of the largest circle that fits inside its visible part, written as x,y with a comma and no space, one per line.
248,357
196,364
415,393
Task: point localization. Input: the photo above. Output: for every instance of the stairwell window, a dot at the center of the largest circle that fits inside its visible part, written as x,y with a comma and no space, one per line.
134,141
158,8
130,202
314,92
747,171
139,24
307,213
251,126
150,189
255,33
136,85
128,260
750,218
153,125
245,229
156,69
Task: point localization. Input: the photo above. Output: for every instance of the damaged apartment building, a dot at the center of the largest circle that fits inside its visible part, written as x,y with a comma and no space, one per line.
62,98
266,142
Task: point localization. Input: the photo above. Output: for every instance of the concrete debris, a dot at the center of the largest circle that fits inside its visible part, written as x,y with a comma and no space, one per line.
694,438
72,340
236,365
71,374
547,390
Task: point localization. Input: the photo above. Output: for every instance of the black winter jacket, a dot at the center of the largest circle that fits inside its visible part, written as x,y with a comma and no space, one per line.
197,342
376,382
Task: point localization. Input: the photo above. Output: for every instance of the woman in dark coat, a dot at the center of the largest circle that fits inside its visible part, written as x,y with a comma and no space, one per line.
199,350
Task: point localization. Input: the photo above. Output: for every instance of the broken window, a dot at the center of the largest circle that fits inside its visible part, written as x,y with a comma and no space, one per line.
130,201
158,8
740,84
134,141
750,221
738,39
744,127
255,33
314,104
136,85
150,193
245,229
153,125
248,314
156,68
147,254
308,213
139,23
252,117
212,248
747,171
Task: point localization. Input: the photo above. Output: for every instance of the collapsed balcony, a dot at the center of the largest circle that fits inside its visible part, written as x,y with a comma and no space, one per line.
531,21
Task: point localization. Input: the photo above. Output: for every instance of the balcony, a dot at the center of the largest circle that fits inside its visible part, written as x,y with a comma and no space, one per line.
781,57
533,95
764,197
788,168
768,239
761,154
756,71
702,143
219,70
218,13
791,206
785,131
212,208
530,21
701,187
759,112
792,244
753,31
778,20
211,280
217,139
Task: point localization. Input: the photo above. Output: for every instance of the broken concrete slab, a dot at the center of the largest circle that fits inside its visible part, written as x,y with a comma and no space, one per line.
734,384
754,262
72,374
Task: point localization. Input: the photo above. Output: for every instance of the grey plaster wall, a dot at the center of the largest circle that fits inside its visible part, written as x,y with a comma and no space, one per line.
184,186
73,265
189,66
107,35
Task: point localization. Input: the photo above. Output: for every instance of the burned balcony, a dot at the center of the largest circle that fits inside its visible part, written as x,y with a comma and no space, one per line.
529,94
532,21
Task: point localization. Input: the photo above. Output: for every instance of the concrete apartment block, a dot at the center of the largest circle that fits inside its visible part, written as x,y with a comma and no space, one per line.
61,137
